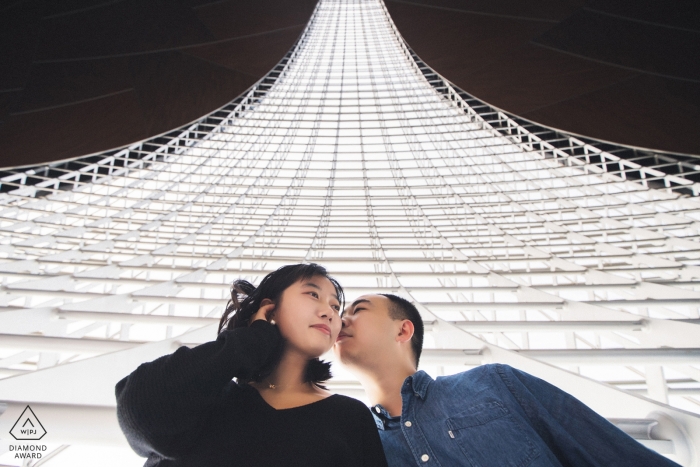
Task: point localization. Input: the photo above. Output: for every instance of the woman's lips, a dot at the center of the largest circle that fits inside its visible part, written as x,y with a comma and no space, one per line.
323,328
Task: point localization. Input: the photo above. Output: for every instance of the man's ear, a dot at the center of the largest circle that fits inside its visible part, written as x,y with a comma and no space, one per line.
405,331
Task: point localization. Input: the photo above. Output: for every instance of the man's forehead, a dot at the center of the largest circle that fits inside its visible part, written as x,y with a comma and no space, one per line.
370,300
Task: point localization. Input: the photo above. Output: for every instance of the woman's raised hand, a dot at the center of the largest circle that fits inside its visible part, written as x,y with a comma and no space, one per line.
264,312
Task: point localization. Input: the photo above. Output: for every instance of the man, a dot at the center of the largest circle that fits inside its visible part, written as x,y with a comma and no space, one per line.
491,416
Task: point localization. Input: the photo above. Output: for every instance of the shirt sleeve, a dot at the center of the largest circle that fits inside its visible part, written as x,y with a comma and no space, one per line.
575,434
163,405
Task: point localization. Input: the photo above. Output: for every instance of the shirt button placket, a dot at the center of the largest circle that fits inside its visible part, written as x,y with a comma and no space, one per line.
414,435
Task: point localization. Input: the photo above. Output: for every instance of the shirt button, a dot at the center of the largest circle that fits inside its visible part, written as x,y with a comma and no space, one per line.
408,424
377,409
425,458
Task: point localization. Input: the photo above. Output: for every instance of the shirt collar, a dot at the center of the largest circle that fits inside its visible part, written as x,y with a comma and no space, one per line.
417,383
381,416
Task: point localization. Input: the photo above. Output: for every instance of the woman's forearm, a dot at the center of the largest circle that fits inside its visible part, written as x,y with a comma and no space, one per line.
163,405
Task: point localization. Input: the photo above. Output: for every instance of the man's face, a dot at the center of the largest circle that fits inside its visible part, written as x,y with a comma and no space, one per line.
368,332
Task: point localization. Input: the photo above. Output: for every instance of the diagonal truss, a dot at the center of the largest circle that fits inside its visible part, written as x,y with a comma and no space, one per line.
574,259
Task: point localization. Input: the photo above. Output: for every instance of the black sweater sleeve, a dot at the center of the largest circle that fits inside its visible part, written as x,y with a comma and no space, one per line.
163,406
373,452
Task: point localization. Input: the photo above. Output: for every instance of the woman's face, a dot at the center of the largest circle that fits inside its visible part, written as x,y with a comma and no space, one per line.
308,316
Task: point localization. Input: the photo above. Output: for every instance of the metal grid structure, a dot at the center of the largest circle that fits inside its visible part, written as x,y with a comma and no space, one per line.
573,259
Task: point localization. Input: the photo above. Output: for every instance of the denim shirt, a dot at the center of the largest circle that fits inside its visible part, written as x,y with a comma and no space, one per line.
497,416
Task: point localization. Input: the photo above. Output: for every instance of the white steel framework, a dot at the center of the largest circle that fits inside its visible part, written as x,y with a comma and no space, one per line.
573,259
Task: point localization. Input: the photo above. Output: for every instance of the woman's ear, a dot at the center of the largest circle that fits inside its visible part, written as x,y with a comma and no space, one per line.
271,307
265,310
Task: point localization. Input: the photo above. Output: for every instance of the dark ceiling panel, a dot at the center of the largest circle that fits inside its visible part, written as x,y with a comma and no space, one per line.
683,14
8,101
253,55
130,68
640,112
505,70
126,27
589,79
63,83
240,18
71,7
543,10
651,48
19,34
173,88
70,131
459,41
528,78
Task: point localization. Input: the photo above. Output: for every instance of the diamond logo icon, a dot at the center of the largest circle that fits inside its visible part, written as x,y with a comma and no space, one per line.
28,427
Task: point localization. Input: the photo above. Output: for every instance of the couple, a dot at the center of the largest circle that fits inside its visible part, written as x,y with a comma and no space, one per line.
184,409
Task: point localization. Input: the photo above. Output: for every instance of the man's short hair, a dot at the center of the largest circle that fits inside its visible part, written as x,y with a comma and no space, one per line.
400,308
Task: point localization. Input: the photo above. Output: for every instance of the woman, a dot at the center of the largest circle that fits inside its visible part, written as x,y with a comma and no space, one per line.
184,409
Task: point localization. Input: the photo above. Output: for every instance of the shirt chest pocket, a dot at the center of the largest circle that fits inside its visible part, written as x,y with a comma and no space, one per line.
490,436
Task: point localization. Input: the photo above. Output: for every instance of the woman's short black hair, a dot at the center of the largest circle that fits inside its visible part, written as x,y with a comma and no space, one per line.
245,302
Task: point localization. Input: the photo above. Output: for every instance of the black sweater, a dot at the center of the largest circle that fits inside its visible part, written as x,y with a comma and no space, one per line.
184,409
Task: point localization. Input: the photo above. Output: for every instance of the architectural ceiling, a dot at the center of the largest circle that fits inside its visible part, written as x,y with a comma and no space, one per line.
573,259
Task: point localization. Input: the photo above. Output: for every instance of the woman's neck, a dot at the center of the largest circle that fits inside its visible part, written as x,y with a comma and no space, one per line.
289,375
285,387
